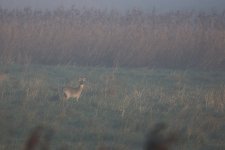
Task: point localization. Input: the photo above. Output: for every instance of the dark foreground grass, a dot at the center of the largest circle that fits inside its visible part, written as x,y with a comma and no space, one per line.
116,110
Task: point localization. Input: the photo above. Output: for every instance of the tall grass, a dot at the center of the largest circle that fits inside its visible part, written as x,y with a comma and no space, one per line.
91,37
116,109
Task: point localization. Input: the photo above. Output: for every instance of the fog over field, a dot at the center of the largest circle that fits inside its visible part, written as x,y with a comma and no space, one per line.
153,74
159,5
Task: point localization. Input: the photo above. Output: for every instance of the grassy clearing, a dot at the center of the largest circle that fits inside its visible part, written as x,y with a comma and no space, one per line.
117,108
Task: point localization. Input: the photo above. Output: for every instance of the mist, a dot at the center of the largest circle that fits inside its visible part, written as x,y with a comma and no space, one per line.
144,5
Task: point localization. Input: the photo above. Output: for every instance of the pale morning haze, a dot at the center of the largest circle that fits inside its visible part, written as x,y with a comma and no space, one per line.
159,5
112,74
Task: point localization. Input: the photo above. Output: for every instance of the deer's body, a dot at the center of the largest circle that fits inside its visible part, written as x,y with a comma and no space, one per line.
71,92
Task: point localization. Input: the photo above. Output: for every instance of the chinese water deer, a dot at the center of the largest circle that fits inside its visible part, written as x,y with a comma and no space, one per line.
71,92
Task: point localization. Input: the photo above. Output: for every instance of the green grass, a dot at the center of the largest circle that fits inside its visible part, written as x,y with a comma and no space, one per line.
117,108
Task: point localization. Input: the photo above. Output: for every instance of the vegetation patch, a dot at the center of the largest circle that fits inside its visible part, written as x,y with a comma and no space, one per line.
116,110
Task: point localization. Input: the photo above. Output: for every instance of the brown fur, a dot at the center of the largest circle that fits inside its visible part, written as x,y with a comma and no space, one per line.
71,92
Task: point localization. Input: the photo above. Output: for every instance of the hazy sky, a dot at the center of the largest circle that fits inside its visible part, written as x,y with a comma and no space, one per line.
159,5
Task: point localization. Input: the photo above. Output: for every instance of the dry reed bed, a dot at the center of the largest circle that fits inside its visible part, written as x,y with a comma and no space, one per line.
109,38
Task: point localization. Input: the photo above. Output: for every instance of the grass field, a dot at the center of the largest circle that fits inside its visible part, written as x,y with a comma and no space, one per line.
116,110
